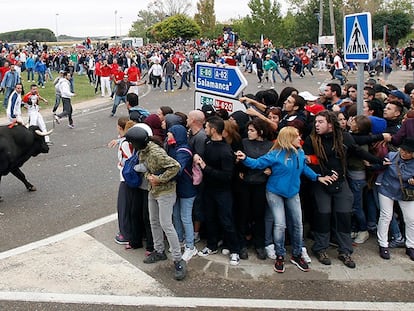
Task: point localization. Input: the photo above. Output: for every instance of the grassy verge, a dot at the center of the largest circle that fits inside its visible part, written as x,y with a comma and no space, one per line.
84,91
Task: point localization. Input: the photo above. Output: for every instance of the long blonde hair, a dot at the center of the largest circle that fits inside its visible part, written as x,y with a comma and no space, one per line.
284,141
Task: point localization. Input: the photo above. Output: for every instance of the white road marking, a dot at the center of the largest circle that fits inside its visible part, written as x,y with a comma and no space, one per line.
58,237
195,302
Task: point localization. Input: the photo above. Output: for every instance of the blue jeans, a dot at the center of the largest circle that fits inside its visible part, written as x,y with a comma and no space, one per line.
282,208
30,74
183,220
357,188
168,80
117,101
338,75
7,93
41,78
184,78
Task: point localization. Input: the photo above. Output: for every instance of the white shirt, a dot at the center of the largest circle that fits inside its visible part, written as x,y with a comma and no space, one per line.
338,62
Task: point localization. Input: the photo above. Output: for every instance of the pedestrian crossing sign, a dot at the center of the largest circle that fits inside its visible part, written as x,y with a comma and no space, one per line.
358,38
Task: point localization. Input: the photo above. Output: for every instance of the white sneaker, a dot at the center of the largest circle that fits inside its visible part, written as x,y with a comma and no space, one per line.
305,255
362,237
189,253
234,259
354,234
270,251
225,251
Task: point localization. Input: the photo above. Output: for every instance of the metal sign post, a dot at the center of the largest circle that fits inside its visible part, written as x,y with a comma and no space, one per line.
358,47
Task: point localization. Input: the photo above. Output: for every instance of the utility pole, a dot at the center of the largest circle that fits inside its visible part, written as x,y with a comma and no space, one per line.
332,18
320,18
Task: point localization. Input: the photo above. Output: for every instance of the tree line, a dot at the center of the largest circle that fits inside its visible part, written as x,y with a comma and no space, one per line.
168,19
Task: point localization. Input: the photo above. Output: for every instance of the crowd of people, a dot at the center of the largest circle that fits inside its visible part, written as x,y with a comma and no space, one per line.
359,169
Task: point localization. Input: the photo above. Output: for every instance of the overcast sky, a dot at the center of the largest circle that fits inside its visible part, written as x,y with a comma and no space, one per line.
84,18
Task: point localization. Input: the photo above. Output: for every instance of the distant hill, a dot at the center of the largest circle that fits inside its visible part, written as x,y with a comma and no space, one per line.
43,35
25,35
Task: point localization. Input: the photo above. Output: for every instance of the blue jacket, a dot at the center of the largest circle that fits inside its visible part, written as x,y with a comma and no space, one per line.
182,153
30,63
286,171
389,183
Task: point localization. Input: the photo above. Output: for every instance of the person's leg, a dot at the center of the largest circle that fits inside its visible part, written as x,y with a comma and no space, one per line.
117,101
122,203
210,211
342,207
156,230
357,187
295,225
57,102
224,202
322,218
135,218
178,225
186,205
66,108
407,208
258,214
70,111
147,226
166,203
386,212
277,207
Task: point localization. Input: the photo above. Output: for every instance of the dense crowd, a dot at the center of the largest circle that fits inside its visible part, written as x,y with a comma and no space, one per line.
259,167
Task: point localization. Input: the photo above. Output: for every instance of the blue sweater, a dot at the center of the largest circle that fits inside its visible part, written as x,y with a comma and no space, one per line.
286,171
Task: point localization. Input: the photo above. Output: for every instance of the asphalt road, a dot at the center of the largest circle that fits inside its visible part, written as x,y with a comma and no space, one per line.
77,183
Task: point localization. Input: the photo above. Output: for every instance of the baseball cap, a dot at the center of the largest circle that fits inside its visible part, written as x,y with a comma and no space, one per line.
401,95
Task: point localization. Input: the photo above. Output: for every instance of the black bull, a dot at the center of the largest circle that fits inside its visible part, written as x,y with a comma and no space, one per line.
17,145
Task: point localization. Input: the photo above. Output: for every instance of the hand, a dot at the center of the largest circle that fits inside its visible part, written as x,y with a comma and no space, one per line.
411,181
386,161
252,112
113,143
326,180
268,171
153,180
387,137
240,155
336,108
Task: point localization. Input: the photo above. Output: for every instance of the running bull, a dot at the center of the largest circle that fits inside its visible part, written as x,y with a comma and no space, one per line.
17,145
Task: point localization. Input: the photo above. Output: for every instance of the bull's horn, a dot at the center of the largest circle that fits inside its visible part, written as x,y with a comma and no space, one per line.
40,133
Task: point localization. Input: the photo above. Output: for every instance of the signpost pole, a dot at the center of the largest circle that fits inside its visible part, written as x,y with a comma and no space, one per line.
360,88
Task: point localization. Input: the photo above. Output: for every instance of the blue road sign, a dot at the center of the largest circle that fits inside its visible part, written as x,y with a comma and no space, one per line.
220,80
358,38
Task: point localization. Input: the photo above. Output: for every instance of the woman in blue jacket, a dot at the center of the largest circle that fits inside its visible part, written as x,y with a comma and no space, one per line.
389,189
179,149
287,162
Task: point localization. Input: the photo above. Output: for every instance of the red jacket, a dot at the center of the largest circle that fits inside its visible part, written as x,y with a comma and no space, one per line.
106,71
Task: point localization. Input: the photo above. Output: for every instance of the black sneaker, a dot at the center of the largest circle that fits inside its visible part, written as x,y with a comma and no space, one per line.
120,239
180,269
279,266
244,254
347,260
155,256
384,252
323,258
261,253
410,252
300,263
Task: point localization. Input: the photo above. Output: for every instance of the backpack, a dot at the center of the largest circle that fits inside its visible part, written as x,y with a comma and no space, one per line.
132,178
196,172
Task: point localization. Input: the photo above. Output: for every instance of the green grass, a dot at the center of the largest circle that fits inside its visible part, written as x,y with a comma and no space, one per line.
84,91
